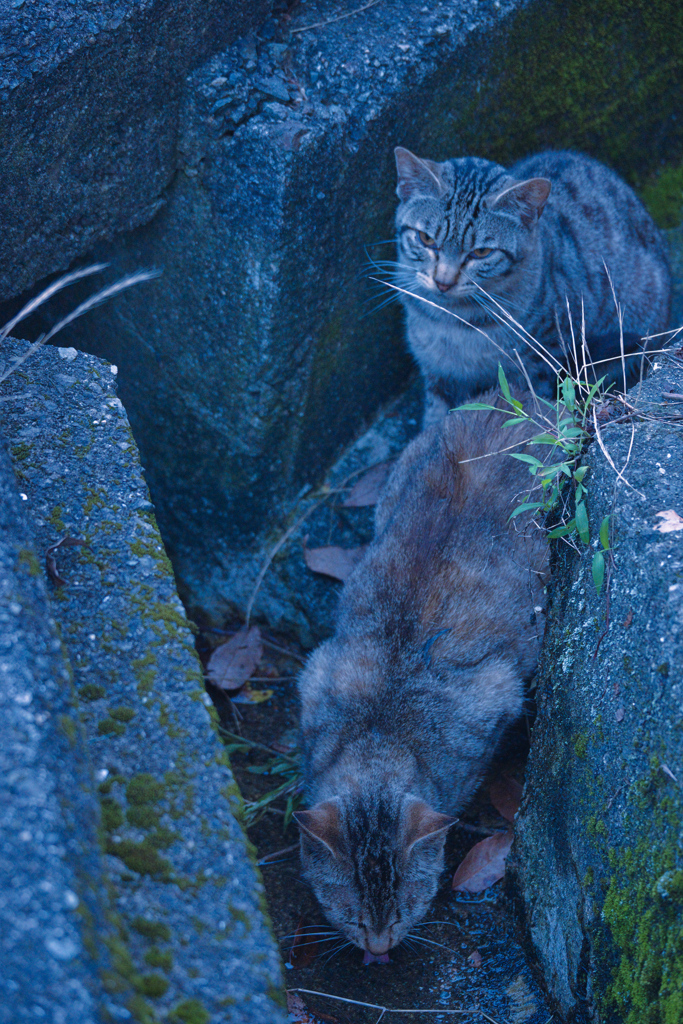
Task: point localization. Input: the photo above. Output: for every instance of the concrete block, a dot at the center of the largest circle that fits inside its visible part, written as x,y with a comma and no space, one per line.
89,98
51,893
186,894
598,854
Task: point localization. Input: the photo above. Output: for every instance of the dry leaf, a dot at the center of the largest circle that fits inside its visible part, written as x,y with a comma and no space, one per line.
506,794
333,561
475,958
300,1014
367,489
233,662
484,864
306,945
629,619
671,521
619,714
51,561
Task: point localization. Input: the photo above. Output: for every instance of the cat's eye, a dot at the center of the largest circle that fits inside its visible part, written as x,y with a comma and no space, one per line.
479,254
427,240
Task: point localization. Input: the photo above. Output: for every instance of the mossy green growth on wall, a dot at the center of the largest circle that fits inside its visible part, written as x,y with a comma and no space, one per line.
663,196
602,78
644,911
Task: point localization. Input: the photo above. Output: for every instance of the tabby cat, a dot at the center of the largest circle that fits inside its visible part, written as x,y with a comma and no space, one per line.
438,628
488,244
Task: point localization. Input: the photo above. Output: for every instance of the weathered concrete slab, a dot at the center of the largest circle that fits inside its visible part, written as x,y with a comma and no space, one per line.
51,897
598,848
89,97
252,363
192,937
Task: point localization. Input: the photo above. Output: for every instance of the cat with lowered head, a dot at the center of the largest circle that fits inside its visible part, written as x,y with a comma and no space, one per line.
485,244
438,628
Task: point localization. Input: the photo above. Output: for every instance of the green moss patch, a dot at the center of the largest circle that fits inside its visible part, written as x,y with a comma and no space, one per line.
154,930
142,858
156,957
663,196
153,985
122,714
142,816
92,691
144,789
191,1011
644,910
109,727
112,814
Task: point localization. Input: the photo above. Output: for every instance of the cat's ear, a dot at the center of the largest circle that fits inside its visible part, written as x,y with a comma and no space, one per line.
321,823
422,823
416,177
526,199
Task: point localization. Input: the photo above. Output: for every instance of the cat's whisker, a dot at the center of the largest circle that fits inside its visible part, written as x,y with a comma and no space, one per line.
507,320
452,924
430,942
334,953
330,933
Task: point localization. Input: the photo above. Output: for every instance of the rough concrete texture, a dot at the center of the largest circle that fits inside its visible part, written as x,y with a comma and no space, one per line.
191,937
89,97
50,864
253,361
599,851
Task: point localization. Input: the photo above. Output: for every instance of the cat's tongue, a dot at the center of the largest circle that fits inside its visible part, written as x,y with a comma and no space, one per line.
370,958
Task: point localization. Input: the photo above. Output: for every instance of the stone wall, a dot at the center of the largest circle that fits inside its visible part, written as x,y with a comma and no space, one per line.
89,101
598,848
127,886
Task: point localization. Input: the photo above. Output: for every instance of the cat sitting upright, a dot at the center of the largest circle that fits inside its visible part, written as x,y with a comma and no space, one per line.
438,627
480,242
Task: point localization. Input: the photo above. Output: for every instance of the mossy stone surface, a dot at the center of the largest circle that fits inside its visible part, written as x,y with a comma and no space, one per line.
598,848
172,847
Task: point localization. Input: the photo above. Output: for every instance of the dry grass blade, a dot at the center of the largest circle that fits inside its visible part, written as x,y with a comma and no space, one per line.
33,304
90,303
51,561
474,1011
340,17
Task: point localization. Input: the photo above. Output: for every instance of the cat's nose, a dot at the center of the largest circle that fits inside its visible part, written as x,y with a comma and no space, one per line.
443,286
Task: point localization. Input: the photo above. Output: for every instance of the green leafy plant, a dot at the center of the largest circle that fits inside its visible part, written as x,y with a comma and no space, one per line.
563,428
286,766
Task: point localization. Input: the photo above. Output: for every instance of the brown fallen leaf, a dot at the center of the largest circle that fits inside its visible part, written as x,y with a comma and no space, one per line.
475,958
51,561
671,521
306,945
506,794
629,619
484,864
233,662
367,489
333,561
300,1014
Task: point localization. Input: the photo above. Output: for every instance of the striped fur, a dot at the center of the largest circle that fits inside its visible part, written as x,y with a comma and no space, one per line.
546,252
401,711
